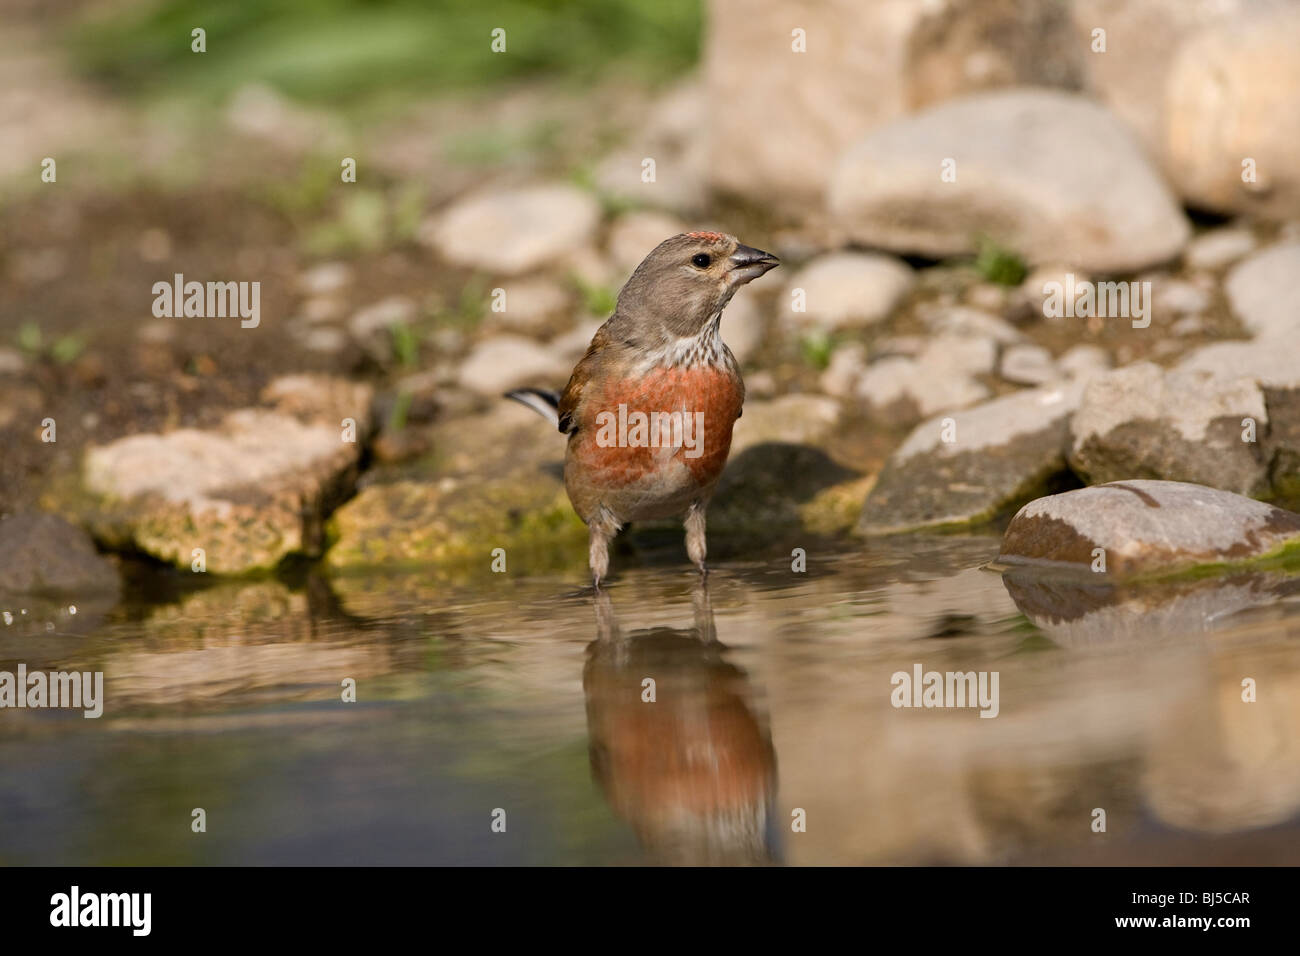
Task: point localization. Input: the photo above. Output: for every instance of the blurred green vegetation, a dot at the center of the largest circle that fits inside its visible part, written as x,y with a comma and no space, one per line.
63,349
345,51
816,347
999,264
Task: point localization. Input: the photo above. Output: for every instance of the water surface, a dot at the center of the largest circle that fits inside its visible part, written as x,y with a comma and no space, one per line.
523,699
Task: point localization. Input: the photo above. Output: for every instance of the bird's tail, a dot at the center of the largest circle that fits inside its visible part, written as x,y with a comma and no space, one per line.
544,401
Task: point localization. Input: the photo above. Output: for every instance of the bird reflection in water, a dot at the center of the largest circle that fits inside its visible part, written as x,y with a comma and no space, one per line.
693,770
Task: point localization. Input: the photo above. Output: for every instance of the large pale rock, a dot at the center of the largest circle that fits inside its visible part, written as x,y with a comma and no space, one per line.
1264,294
865,64
1232,94
1142,40
1050,175
509,361
248,492
968,466
1184,425
515,230
1147,527
844,289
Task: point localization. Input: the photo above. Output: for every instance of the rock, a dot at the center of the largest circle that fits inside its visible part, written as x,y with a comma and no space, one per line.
1049,175
791,419
43,555
1177,297
515,230
321,309
864,65
744,326
633,235
1189,325
327,278
988,296
1277,374
963,320
379,318
1218,248
845,289
1147,527
499,364
760,384
589,266
889,388
845,369
11,362
572,345
248,492
1263,293
1028,365
531,303
1142,40
1084,361
968,466
774,490
671,136
1184,425
325,340
452,528
940,378
909,346
372,327
1031,296
496,483
1232,95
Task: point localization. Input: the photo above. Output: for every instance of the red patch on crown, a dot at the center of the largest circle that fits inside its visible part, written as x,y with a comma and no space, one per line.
711,236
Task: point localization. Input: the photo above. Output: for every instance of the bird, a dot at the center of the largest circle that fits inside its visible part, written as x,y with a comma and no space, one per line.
649,409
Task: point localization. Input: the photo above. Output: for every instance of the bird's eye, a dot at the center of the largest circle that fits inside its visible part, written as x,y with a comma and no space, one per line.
702,260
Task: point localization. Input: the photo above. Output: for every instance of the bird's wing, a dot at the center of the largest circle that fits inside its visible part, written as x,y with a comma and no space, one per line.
583,373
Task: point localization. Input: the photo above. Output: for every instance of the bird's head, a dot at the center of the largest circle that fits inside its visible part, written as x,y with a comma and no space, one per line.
687,280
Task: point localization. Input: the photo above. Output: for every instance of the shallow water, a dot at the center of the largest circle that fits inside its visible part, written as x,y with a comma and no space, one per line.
772,696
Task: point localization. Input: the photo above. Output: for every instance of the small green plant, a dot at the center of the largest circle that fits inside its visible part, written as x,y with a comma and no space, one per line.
597,299
401,408
63,350
998,264
67,348
29,338
816,347
406,344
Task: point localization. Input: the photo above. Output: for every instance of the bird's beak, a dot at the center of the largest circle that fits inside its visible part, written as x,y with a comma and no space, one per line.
748,263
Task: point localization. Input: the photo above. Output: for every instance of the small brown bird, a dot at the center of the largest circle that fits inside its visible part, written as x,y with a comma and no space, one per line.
650,407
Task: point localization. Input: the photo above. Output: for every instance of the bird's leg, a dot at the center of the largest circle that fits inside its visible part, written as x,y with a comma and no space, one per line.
598,555
696,546
601,529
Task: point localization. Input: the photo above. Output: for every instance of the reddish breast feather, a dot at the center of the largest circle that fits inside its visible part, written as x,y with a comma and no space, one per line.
711,392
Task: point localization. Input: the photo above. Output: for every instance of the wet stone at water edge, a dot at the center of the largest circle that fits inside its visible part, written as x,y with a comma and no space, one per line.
1148,527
